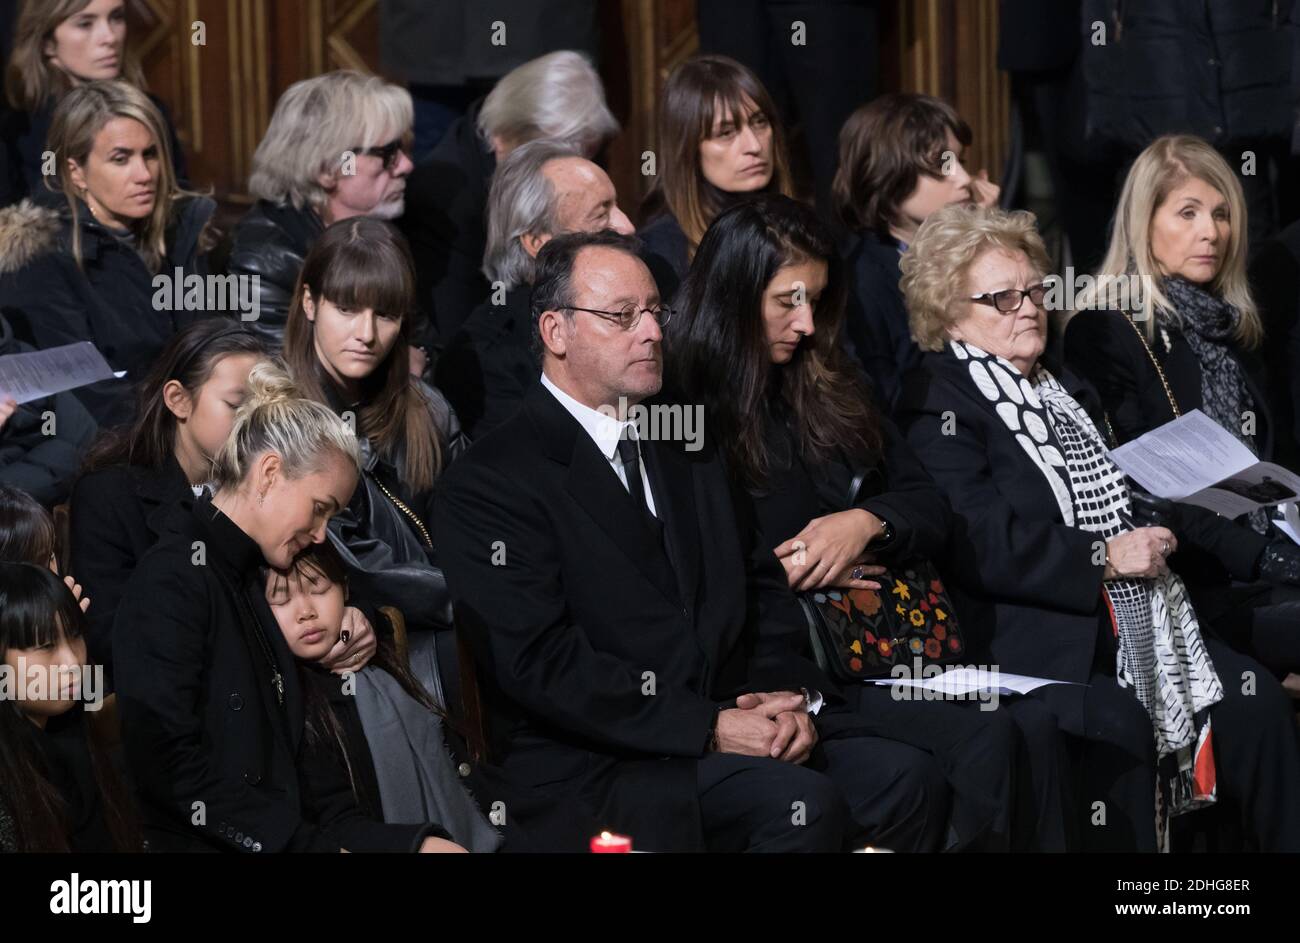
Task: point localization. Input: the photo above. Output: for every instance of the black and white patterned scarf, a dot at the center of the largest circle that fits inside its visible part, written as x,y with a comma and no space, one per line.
1161,655
1210,324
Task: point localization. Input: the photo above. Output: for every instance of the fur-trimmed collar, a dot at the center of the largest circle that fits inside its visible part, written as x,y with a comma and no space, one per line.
26,231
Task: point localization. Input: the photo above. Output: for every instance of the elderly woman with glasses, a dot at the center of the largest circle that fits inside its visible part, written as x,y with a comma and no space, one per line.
1050,541
337,147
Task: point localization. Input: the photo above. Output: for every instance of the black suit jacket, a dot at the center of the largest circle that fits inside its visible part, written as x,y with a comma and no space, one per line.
1102,348
214,757
606,655
489,364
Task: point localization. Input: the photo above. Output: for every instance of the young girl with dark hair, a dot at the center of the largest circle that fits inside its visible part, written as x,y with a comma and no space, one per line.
58,789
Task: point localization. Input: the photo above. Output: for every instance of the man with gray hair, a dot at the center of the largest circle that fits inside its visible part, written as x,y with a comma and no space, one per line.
558,96
542,189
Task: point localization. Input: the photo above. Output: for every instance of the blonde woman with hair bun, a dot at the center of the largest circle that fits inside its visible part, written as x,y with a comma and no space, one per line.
210,704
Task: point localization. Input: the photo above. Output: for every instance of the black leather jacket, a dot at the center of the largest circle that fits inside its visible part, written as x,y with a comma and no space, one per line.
388,548
271,242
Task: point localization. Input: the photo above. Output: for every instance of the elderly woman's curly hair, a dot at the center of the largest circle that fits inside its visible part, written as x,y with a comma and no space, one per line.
937,261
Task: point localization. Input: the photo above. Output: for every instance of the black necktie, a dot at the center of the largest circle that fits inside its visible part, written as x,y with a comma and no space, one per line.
630,456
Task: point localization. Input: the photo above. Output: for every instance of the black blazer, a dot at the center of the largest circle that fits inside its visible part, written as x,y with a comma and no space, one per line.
489,364
116,515
875,318
568,600
1101,347
214,757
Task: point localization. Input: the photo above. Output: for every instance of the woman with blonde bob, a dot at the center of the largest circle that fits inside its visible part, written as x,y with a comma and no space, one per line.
58,45
1068,563
83,269
1189,342
337,147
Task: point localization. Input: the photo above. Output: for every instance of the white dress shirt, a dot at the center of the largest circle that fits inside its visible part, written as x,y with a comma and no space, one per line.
605,431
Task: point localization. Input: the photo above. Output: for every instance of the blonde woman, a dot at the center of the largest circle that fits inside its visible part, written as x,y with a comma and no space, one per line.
337,147
58,45
83,269
1186,341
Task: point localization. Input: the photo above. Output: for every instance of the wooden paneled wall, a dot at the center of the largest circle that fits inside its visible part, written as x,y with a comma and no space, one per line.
221,94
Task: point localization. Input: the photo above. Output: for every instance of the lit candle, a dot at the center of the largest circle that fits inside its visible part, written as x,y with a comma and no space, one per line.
607,843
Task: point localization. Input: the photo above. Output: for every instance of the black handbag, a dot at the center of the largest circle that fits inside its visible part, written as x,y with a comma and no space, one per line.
861,634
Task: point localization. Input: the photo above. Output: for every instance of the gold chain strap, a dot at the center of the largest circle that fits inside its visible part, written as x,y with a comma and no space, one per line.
424,531
1155,363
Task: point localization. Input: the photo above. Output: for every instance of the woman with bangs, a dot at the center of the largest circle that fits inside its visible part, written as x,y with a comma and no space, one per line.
829,485
58,788
720,141
85,271
58,45
347,343
337,147
900,160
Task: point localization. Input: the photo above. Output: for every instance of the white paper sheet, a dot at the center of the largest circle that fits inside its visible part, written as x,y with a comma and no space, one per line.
1195,460
29,376
967,679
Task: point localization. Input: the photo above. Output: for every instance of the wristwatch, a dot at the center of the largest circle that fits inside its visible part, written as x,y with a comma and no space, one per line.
886,536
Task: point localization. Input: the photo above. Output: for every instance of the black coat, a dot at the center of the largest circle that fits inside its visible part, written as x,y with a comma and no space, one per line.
1101,347
1013,560
875,319
666,252
109,301
583,603
489,364
446,225
390,562
42,465
1223,70
218,763
271,241
116,514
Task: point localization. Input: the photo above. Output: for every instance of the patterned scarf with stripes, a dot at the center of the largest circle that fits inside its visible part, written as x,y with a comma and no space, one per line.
1161,655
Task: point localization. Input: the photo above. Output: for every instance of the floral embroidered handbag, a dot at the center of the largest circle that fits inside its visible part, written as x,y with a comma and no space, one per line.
860,634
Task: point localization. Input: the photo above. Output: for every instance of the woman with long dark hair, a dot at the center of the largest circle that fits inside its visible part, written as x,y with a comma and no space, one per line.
720,140
756,344
346,343
58,788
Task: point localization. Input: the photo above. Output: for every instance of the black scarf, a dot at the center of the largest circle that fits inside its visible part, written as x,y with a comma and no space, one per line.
1209,323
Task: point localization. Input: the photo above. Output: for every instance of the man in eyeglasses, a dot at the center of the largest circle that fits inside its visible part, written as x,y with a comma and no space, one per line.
337,147
542,189
599,576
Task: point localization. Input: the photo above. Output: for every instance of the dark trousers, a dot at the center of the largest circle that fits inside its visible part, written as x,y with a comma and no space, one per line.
871,791
1256,754
1263,622
1008,768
